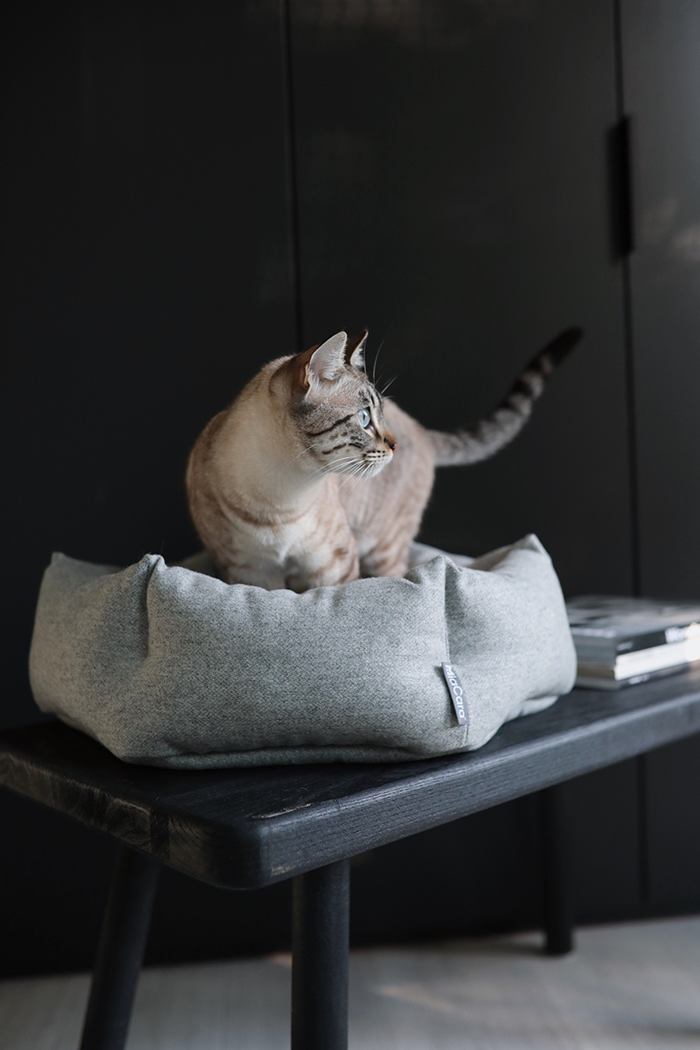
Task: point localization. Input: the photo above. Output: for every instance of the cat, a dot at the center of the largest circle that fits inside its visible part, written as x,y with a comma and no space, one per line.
311,478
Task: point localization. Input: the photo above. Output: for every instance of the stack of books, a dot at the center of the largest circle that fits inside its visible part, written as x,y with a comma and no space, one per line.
623,641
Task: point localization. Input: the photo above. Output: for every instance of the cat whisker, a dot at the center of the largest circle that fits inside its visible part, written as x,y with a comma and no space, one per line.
330,468
352,474
392,380
320,473
376,358
359,471
353,478
362,474
351,468
325,469
345,462
308,449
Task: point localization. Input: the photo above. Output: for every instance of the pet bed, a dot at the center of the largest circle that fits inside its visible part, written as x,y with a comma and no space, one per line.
169,666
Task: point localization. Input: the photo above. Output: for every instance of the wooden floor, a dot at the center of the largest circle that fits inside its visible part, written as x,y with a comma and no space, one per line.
634,986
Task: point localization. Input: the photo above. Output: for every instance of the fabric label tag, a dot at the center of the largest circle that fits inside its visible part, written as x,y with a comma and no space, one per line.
456,692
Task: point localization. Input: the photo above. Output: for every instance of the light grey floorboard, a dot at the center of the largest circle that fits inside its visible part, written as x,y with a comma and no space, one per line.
633,987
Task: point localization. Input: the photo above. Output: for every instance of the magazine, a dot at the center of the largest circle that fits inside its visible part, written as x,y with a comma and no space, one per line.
624,640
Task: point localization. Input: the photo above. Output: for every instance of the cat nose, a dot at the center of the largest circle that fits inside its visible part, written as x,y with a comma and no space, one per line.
391,442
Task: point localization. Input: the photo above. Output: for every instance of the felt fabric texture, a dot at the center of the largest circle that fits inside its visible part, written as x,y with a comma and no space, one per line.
169,666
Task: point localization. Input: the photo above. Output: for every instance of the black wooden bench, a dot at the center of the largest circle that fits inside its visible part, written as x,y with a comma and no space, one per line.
242,829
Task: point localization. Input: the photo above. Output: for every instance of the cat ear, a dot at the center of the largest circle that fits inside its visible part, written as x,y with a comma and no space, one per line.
355,350
327,361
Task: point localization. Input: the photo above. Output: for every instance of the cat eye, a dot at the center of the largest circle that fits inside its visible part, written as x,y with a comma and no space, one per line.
364,417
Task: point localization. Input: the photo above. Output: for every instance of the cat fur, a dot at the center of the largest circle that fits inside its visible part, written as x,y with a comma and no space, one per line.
287,488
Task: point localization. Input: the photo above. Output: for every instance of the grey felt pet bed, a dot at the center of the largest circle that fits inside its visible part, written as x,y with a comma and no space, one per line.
169,666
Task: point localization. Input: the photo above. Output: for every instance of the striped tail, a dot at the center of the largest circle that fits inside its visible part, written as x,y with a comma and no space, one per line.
492,433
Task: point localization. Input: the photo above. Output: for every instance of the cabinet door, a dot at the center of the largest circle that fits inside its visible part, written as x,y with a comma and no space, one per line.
146,234
149,270
662,95
662,88
454,198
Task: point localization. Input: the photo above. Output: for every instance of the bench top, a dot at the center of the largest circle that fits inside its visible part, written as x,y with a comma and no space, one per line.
244,828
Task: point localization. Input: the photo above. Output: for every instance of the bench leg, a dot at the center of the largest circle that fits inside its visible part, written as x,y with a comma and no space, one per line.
557,865
120,952
320,946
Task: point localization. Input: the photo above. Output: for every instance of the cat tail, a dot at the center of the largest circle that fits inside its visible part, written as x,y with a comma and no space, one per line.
494,431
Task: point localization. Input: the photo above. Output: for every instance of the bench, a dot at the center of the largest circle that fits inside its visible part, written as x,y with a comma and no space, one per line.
248,828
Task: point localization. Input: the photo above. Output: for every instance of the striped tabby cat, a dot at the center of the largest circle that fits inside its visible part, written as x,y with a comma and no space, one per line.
288,488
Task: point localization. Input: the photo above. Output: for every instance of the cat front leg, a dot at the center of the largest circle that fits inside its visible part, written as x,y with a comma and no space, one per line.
335,562
385,561
269,577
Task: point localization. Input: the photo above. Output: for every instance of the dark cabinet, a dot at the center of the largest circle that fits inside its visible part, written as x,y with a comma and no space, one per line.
662,88
149,275
662,97
453,196
195,190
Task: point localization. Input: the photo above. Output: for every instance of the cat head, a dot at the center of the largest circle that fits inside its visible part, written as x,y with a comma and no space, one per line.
338,411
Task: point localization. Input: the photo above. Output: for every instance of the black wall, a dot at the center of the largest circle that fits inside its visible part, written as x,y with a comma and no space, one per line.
193,189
